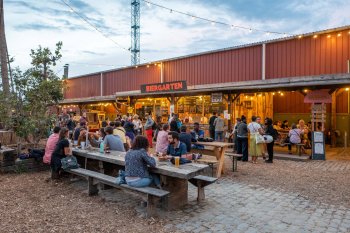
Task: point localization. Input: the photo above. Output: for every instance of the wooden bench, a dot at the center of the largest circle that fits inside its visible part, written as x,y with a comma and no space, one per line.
210,162
200,182
95,177
234,157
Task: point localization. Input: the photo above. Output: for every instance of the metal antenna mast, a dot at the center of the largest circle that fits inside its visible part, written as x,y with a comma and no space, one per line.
135,32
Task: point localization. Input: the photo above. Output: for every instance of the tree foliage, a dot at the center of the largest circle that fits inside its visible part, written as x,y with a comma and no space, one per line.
37,91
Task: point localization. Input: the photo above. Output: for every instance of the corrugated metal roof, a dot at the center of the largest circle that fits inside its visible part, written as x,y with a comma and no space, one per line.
228,48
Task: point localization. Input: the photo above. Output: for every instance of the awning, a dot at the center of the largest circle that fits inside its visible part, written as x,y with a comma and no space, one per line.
95,99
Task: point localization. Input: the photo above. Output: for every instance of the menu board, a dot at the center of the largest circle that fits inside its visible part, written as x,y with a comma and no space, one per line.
318,146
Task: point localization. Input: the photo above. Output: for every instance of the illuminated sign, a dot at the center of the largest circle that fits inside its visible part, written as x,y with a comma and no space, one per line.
164,87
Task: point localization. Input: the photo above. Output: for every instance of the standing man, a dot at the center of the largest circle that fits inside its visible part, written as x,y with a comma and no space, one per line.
211,125
242,139
149,129
64,118
219,124
235,128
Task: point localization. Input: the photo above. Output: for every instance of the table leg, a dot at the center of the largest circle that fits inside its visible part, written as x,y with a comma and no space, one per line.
178,189
221,158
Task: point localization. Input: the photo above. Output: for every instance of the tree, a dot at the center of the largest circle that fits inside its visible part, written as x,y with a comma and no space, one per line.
42,59
37,90
3,54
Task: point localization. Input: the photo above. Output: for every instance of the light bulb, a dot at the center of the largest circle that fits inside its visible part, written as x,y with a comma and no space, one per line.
315,36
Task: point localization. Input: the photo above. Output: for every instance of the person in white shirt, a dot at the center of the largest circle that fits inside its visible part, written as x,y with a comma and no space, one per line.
137,125
254,149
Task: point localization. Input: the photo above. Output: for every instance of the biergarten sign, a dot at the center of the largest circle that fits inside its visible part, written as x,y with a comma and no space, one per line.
164,87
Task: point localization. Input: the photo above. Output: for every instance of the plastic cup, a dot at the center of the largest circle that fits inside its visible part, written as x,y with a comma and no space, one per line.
177,161
82,145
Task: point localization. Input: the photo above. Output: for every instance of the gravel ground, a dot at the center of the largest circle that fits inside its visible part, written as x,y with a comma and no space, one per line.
319,181
30,204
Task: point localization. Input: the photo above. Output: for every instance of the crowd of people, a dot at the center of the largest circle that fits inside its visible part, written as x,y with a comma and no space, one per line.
170,139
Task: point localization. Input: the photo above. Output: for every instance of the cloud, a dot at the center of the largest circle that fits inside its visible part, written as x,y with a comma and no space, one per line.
35,27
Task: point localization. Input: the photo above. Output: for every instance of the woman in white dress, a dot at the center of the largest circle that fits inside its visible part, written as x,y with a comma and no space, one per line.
254,149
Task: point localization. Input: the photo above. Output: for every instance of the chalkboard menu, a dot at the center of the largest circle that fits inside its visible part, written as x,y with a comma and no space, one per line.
318,146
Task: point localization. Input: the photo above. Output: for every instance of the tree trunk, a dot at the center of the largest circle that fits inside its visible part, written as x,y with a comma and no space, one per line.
3,53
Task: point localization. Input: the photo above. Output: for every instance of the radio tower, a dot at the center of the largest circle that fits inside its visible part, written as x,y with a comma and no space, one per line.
135,32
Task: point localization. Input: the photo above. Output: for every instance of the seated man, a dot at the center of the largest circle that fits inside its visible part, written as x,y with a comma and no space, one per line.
112,142
197,133
185,137
175,147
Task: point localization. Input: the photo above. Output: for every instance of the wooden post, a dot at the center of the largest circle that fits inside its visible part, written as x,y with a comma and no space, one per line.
229,108
334,119
92,188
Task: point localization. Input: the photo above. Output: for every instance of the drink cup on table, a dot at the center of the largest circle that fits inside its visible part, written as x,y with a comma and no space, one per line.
82,145
177,161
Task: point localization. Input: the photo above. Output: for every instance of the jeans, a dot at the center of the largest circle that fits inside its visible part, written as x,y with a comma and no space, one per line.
219,134
144,182
270,150
212,132
242,148
149,134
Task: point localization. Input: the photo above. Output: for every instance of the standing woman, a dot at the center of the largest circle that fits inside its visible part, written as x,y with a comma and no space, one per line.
149,129
61,151
254,149
137,125
269,131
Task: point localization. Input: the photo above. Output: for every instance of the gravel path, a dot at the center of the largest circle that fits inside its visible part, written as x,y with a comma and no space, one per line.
30,204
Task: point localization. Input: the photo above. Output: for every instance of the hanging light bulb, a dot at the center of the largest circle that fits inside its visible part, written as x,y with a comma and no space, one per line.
213,23
171,10
192,17
329,36
300,36
232,26
315,36
148,4
250,30
339,34
268,33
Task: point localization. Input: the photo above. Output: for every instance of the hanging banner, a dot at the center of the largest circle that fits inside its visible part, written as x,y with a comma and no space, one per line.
164,87
216,97
318,96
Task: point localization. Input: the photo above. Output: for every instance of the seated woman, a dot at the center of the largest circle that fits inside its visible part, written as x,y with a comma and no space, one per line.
162,140
295,135
137,161
61,151
304,137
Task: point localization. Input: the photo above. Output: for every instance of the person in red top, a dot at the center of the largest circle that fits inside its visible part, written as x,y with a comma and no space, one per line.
51,144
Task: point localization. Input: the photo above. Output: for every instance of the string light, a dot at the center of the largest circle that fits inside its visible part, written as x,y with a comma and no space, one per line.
339,34
315,36
347,89
329,36
300,36
213,22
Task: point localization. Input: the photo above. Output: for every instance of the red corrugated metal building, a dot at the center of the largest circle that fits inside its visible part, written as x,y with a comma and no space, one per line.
314,61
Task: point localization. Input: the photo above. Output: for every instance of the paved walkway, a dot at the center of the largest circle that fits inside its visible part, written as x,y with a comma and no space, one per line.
237,207
234,207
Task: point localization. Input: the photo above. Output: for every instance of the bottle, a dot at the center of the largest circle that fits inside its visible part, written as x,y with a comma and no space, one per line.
102,147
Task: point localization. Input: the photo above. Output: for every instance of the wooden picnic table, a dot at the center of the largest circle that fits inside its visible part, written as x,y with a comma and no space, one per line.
219,149
175,179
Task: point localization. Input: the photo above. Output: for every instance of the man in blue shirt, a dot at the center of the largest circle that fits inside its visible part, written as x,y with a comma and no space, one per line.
175,147
197,133
113,142
185,137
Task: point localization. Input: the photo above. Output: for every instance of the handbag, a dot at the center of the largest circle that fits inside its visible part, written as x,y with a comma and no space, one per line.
227,135
259,138
69,162
268,138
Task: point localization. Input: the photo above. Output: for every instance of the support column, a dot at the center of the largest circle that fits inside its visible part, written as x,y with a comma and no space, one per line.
334,119
229,109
